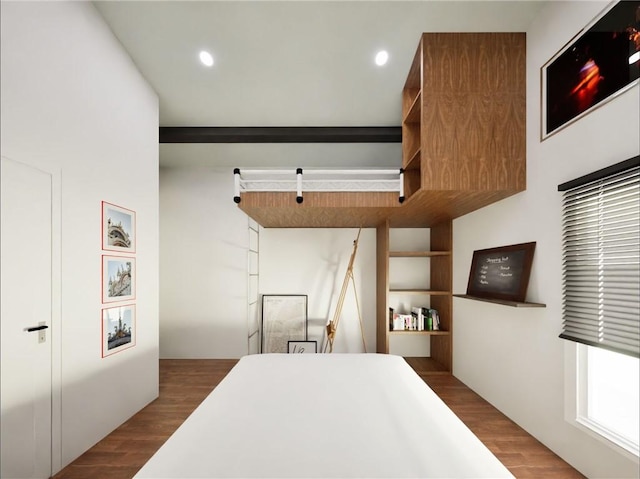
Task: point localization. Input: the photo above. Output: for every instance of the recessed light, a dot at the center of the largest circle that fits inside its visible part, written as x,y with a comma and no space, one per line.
381,57
206,58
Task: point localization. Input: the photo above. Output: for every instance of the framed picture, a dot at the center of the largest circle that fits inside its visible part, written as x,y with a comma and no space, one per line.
302,347
284,319
118,329
501,273
598,64
118,228
118,278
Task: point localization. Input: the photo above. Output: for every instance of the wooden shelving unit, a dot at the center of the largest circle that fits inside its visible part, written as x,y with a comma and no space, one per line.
439,292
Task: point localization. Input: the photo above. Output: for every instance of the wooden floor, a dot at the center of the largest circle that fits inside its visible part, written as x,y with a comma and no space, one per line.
185,383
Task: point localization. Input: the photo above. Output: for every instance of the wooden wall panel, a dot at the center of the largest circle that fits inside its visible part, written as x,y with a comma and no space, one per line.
441,351
382,287
473,111
325,200
442,279
422,210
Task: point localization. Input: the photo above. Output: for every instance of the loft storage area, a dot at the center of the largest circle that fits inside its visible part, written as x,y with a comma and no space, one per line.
463,144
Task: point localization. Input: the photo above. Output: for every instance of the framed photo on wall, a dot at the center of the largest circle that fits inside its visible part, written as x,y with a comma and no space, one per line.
284,319
598,64
118,228
118,278
118,329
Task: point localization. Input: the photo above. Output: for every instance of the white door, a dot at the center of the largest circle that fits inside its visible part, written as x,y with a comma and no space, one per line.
25,303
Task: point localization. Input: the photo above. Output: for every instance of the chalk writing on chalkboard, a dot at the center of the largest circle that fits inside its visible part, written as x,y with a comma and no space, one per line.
501,273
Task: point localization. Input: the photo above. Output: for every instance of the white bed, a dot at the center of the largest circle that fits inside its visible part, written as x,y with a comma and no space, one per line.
322,416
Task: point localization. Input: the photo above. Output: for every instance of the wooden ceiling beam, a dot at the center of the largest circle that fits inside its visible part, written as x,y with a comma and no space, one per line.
281,134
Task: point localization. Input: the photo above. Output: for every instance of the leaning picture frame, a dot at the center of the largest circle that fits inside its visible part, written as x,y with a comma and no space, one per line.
118,228
118,329
302,347
284,319
118,278
599,63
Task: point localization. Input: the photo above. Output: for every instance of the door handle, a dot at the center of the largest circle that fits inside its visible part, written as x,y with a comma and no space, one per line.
36,328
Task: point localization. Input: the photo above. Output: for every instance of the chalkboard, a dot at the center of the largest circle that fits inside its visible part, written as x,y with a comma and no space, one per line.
501,273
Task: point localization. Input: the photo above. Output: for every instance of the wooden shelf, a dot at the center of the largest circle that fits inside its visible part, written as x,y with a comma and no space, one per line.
417,254
413,114
423,333
413,163
419,291
504,302
413,159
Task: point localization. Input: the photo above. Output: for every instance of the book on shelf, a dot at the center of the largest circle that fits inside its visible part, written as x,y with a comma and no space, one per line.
431,319
418,316
420,319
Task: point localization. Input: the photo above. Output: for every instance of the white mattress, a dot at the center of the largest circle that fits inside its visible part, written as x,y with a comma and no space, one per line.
323,416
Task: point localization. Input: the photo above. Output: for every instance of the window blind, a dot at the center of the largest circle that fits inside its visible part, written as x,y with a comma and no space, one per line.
601,253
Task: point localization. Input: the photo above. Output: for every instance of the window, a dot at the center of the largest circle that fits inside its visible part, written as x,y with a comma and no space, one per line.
608,395
601,309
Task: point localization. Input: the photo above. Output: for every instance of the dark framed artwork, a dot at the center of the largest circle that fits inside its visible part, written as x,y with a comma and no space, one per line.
118,329
501,273
302,347
598,64
118,228
284,319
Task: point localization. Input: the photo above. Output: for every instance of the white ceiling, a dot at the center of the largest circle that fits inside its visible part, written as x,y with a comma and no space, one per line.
288,63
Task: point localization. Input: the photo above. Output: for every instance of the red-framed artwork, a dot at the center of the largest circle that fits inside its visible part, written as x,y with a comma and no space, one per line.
118,228
118,328
118,278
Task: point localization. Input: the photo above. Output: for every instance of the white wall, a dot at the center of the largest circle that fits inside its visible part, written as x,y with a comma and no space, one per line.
204,242
513,357
74,104
314,262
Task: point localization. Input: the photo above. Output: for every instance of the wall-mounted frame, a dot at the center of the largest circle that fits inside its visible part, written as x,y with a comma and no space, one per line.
302,347
599,63
118,278
118,329
118,228
284,319
501,273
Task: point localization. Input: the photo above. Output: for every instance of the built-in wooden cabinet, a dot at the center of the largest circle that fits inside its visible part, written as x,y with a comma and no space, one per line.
463,106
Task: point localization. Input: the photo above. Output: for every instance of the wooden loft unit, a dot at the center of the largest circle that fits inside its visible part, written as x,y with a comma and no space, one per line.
463,148
463,141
